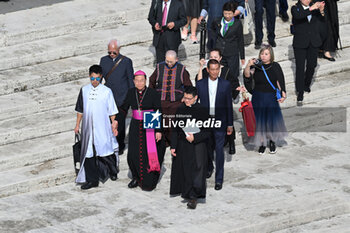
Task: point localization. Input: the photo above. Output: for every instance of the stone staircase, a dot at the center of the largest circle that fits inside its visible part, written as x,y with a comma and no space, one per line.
45,54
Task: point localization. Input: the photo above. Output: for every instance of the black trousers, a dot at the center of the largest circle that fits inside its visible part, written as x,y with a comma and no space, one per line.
270,6
304,77
283,6
233,63
100,168
163,47
121,130
91,170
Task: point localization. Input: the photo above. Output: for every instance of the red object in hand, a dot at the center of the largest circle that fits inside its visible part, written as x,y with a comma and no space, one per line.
248,116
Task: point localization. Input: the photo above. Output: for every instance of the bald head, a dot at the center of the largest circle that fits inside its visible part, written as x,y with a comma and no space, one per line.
171,58
171,53
113,48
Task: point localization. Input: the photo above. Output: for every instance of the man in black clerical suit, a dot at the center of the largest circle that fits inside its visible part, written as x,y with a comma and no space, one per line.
306,42
166,18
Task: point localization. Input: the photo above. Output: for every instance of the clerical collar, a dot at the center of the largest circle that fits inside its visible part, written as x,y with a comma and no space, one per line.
141,91
305,7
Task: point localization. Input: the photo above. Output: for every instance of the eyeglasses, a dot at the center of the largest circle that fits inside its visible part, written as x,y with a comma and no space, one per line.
95,78
114,53
186,98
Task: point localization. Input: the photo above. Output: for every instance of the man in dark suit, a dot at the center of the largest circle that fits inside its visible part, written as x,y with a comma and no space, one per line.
215,94
306,43
166,18
118,73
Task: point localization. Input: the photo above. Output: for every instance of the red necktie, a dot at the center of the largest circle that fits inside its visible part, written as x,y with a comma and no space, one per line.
165,12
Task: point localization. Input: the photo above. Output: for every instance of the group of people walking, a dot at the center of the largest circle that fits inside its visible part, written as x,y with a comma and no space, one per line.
102,108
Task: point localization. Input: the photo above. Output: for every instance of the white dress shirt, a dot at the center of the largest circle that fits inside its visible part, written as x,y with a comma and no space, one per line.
212,87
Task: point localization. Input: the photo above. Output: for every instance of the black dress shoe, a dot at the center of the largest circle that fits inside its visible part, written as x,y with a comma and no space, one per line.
272,43
89,185
300,96
218,186
284,16
133,184
257,45
307,89
192,204
114,177
209,173
328,58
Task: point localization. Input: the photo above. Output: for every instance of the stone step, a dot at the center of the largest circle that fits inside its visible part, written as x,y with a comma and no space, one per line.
37,125
76,44
36,151
26,145
66,18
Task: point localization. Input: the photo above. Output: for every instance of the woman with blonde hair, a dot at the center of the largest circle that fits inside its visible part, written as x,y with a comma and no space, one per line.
262,78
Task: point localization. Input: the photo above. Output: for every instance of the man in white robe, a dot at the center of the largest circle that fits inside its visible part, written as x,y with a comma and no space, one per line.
96,109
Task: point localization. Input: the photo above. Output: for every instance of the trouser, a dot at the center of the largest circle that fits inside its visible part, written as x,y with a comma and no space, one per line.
106,163
91,170
233,63
304,77
163,47
270,18
121,130
283,6
217,143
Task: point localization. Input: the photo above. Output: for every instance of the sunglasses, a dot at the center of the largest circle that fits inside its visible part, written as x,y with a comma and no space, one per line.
114,53
95,78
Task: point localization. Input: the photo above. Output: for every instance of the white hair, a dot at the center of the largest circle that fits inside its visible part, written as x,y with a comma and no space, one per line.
114,42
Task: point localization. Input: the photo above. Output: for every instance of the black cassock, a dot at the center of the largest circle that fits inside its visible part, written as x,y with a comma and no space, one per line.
137,149
189,167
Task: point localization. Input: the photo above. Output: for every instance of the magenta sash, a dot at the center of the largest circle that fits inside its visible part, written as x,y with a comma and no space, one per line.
150,141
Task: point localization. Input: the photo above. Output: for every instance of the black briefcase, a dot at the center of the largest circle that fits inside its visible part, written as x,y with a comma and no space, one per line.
76,153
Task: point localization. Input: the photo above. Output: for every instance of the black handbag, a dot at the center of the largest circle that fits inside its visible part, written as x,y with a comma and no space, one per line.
76,153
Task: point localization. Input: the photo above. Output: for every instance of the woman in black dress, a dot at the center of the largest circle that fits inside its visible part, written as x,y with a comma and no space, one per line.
270,128
330,29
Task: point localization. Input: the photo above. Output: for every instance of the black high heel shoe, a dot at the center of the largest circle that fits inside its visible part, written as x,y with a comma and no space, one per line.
328,58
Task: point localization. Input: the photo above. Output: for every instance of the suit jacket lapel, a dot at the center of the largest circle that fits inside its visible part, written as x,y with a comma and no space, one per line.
217,92
206,91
